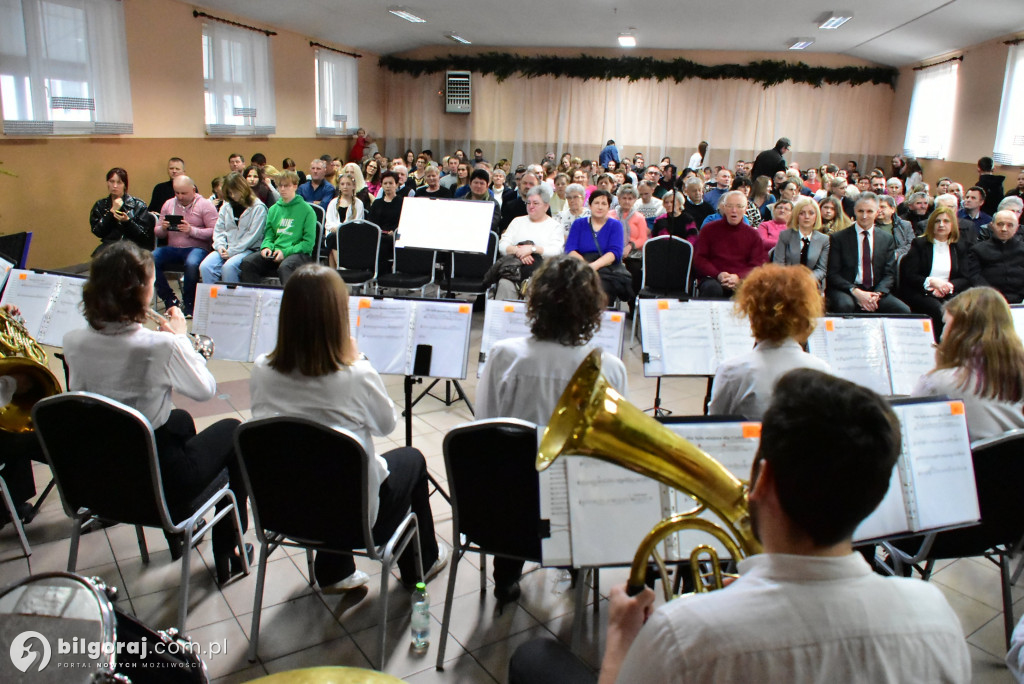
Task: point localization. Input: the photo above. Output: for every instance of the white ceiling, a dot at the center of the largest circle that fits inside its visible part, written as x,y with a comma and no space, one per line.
895,32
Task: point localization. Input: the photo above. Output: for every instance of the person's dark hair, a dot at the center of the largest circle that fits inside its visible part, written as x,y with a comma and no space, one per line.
564,301
978,189
234,155
741,182
480,174
312,328
120,173
610,142
913,166
832,446
600,193
118,277
258,158
288,161
177,159
389,174
985,164
781,143
326,159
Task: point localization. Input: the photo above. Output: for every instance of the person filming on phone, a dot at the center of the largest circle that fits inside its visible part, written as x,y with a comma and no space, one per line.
187,221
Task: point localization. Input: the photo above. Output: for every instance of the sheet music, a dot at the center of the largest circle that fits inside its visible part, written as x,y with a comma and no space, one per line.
5,270
201,308
383,333
908,345
31,292
230,320
939,458
856,350
686,330
890,518
354,306
817,345
441,325
554,507
611,509
266,322
65,312
650,337
608,337
734,334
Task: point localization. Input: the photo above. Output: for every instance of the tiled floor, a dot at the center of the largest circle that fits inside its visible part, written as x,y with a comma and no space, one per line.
302,627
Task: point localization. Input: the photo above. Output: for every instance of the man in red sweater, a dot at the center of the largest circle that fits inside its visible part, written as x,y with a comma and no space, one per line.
727,249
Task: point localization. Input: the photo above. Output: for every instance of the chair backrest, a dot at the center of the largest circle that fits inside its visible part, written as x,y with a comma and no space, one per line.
358,245
475,265
306,481
667,262
319,242
412,261
103,457
494,485
320,212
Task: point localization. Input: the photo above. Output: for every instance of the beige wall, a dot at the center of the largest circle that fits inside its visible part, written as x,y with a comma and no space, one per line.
59,178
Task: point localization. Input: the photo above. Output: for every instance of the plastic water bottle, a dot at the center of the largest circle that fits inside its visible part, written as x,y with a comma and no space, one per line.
420,624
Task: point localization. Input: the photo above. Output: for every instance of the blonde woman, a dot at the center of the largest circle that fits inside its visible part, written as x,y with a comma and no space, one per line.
803,243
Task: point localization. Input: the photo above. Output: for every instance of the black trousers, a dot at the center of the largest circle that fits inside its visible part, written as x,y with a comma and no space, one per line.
546,661
256,266
190,462
405,487
17,451
922,303
710,288
843,302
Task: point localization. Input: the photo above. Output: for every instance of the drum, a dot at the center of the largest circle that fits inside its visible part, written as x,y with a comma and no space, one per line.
60,627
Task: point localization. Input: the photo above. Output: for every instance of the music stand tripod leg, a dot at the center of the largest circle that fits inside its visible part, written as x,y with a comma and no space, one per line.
409,403
657,409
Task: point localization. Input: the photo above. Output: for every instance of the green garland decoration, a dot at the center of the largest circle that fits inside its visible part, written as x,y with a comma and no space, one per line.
503,65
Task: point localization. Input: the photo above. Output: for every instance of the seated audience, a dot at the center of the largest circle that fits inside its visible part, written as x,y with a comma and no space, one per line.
1012,203
862,265
783,305
894,188
189,240
753,214
517,206
803,243
696,206
598,240
900,229
502,192
974,199
241,223
362,191
316,371
980,360
117,357
560,183
432,185
648,205
371,173
461,186
342,209
575,207
808,609
120,216
934,269
633,222
261,185
530,239
723,182
289,237
316,190
771,230
916,211
727,249
675,221
999,261
479,180
288,164
387,209
837,189
833,218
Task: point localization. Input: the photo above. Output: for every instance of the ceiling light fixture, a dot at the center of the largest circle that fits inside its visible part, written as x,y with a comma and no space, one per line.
457,38
834,19
404,13
627,40
801,43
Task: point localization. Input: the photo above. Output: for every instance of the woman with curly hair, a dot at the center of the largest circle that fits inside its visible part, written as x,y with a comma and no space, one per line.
980,360
783,305
525,376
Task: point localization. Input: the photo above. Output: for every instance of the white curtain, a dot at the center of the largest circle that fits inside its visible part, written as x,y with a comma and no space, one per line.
337,93
64,67
930,125
1009,147
238,81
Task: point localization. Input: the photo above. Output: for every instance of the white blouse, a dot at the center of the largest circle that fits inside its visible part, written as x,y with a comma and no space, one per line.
332,219
942,264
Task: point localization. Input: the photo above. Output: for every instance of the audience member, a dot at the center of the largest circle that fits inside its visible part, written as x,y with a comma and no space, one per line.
974,199
727,250
236,162
189,240
1019,190
649,206
991,185
165,191
833,218
120,216
371,173
502,192
598,240
916,210
461,186
432,185
288,164
771,230
768,162
289,238
342,209
803,243
887,220
261,185
575,207
970,232
1012,203
675,221
241,223
723,182
999,261
316,190
479,180
530,239
517,207
935,268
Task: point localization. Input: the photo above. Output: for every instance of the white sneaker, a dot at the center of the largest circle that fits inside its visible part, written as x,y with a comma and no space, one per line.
353,581
439,564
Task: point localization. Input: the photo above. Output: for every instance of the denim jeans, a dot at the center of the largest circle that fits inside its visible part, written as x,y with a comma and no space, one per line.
189,258
216,269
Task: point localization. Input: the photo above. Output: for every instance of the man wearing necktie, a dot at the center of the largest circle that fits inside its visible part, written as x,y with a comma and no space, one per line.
862,265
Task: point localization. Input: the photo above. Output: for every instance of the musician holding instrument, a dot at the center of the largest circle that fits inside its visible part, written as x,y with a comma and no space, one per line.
808,608
119,358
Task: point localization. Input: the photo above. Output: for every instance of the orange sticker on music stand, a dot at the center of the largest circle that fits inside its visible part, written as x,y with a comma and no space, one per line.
927,326
662,304
830,326
509,308
364,303
956,408
751,430
23,276
464,308
213,293
616,318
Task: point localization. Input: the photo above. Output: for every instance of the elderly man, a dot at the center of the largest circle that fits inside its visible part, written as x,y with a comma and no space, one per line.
187,222
317,190
517,207
723,181
916,211
770,161
696,206
862,265
727,249
165,191
999,261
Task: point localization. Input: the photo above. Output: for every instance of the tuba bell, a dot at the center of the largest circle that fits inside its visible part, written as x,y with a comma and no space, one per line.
22,355
592,419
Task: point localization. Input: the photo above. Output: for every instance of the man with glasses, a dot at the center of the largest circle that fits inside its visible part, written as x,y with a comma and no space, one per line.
727,249
653,174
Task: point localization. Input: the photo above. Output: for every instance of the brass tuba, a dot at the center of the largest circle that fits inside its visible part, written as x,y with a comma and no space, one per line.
592,419
22,355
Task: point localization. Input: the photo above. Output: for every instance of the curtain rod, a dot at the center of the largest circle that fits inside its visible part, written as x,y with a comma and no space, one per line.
313,43
197,14
951,59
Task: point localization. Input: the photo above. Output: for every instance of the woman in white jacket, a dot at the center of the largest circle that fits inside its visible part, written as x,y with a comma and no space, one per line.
238,233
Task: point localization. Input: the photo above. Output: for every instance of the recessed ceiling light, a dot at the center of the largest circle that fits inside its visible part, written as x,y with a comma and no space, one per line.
458,39
627,40
404,13
835,19
802,44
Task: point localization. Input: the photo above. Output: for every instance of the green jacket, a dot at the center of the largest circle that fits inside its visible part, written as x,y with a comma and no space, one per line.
291,227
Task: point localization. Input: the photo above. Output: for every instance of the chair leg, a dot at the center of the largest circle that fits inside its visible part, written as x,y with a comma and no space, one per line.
1004,576
76,534
1018,570
186,576
597,590
383,628
239,539
483,573
309,567
140,534
257,606
13,512
636,321
457,554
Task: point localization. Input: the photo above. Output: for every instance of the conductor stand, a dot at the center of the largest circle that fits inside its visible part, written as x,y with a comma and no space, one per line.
409,403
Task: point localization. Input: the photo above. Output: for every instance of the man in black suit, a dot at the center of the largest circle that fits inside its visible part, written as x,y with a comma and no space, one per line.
862,265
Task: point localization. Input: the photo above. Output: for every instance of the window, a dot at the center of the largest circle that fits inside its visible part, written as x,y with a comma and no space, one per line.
931,111
237,83
64,67
337,93
1009,147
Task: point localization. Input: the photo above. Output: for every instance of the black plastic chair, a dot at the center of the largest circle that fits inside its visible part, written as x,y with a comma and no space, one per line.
358,252
412,269
104,460
308,487
468,270
998,467
667,266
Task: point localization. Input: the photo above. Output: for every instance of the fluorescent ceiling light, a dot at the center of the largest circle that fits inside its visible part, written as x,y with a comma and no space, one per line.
627,40
457,38
802,44
835,19
403,13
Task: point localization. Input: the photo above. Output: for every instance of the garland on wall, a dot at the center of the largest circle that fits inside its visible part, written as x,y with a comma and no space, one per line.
503,65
